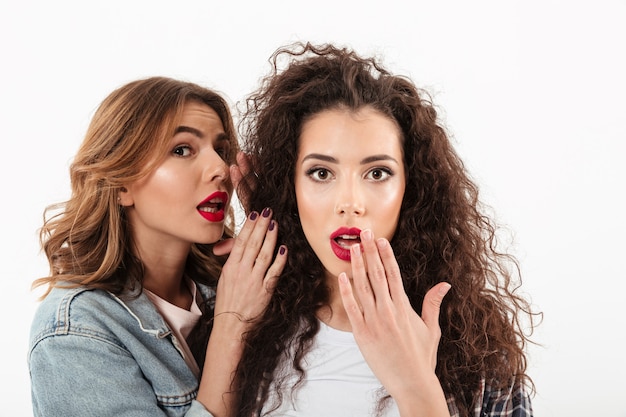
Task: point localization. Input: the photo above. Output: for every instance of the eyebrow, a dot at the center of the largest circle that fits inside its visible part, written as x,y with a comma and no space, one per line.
331,159
188,129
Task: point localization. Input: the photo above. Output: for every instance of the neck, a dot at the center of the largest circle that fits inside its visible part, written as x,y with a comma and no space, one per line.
163,275
164,266
174,291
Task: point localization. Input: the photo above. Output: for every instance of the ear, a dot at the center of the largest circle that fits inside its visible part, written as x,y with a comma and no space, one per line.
125,197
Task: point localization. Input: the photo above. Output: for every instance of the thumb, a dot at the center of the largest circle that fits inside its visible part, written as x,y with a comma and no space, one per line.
235,175
243,182
432,305
223,247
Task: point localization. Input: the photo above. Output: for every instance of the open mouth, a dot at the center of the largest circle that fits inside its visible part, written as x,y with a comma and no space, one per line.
212,208
346,241
342,239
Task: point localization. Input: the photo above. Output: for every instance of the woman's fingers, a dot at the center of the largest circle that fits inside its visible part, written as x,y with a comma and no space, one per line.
251,237
392,270
360,280
432,305
353,310
274,271
238,173
377,271
250,273
223,247
265,253
430,315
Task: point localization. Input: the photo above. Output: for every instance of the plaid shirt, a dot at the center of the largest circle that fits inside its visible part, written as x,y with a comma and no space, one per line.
511,402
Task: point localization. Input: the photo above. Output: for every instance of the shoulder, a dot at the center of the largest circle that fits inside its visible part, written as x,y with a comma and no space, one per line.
511,401
94,313
62,305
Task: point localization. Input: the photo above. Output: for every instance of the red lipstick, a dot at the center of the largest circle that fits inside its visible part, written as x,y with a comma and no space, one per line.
342,239
212,207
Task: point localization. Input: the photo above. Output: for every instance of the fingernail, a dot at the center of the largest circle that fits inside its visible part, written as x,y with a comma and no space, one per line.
356,250
381,243
272,224
266,212
282,250
253,215
443,290
366,234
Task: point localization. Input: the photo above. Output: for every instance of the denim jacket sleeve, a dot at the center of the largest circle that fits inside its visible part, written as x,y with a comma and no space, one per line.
92,354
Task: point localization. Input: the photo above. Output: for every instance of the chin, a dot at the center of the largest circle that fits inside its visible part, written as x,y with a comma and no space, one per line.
336,268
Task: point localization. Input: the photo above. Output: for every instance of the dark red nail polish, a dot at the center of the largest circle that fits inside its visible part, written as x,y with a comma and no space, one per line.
253,215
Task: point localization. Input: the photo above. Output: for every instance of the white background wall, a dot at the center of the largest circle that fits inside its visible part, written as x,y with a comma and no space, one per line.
532,91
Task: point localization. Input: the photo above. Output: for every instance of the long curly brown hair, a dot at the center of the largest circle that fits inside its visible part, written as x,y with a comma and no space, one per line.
87,239
443,233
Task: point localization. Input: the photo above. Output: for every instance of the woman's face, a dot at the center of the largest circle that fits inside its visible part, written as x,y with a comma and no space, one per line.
349,177
184,200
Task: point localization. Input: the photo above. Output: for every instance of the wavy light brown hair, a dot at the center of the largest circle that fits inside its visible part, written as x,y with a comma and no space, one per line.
87,239
442,235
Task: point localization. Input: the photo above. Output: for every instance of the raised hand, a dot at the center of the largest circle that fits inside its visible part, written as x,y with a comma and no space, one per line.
243,291
250,273
399,346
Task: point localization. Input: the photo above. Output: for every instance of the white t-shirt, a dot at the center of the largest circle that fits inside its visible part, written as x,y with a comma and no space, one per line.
181,322
338,381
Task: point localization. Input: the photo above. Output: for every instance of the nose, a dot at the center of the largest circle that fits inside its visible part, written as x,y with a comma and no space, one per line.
215,168
350,200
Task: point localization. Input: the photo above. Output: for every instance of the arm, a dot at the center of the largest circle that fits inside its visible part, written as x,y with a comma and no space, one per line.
399,346
243,292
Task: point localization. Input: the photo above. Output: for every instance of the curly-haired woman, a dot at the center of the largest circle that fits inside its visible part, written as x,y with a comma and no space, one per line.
382,222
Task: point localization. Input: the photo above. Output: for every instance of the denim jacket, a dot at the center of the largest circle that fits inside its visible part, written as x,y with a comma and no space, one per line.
95,354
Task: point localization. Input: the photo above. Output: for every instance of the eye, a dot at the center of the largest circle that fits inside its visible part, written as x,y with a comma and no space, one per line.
379,174
319,174
182,150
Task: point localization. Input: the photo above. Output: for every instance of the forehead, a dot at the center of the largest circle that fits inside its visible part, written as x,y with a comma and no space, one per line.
194,111
342,130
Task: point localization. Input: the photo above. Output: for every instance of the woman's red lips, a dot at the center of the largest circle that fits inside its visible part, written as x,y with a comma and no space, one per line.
212,207
342,239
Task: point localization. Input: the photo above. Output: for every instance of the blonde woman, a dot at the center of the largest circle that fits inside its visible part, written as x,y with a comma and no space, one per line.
140,318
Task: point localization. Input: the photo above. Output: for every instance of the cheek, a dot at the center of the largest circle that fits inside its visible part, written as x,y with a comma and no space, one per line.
162,184
305,203
390,210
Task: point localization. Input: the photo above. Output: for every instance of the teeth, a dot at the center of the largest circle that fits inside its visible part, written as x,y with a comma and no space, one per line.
208,209
350,237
